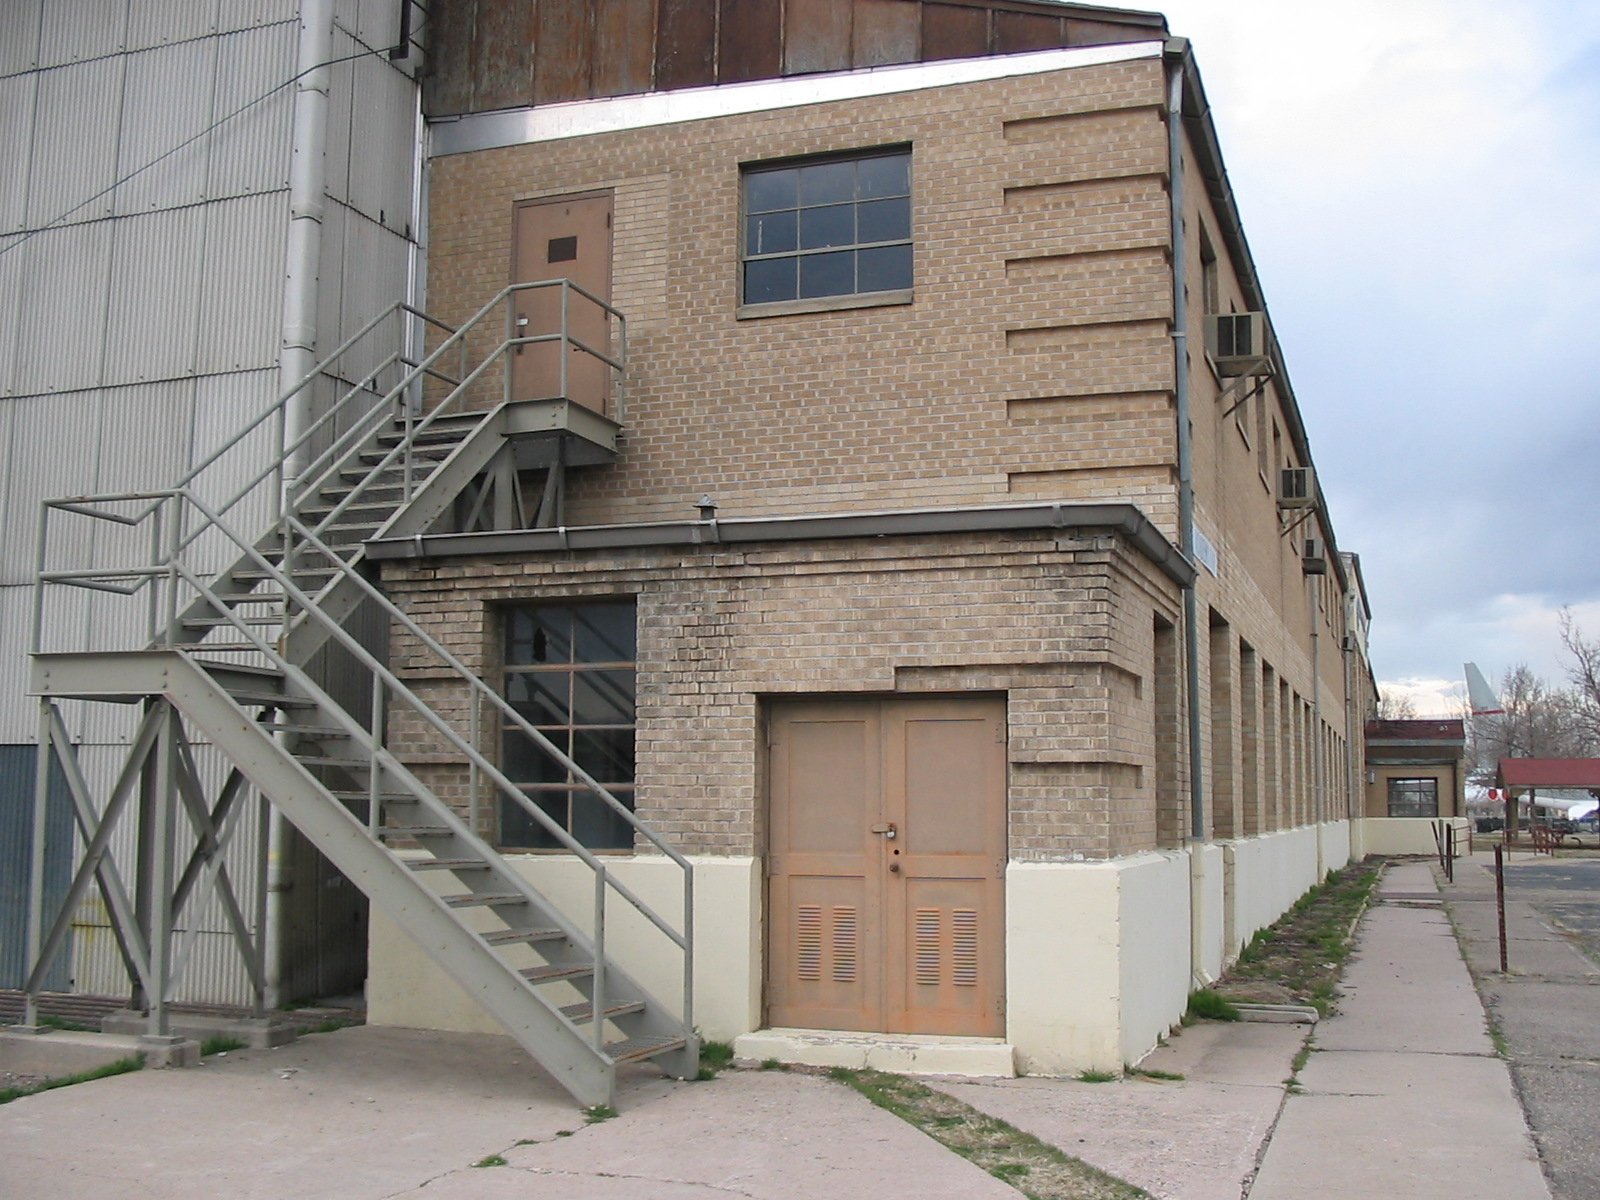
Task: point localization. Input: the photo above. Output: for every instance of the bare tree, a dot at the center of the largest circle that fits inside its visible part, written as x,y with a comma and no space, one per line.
1539,721
1395,706
1584,672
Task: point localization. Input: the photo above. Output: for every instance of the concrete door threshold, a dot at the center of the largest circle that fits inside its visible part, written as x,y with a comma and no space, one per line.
901,1053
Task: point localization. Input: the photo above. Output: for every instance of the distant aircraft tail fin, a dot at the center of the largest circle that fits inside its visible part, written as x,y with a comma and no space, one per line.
1479,694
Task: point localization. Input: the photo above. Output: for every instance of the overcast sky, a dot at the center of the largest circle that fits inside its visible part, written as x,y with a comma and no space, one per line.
1419,181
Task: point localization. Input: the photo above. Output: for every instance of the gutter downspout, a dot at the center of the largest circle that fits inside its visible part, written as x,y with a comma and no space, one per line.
1318,815
1177,57
297,355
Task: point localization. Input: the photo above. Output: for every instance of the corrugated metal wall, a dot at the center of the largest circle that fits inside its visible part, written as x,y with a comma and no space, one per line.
17,765
142,241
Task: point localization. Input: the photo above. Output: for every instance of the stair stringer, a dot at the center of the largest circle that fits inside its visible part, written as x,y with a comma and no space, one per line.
549,1039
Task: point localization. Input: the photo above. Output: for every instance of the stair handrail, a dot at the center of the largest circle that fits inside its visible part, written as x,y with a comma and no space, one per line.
684,940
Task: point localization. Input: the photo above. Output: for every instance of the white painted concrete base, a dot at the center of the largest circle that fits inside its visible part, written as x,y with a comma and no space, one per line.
1100,957
901,1053
1406,835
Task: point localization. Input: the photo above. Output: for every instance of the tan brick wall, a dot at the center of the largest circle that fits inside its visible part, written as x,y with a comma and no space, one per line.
1045,621
1035,363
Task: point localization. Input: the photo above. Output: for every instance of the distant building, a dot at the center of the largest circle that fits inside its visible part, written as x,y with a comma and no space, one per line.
1416,773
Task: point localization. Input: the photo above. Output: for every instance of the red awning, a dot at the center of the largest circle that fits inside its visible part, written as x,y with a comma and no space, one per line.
1549,772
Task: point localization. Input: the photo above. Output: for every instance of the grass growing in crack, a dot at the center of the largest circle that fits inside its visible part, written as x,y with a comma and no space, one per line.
1153,1073
1094,1076
121,1067
1037,1170
493,1160
772,1064
596,1113
220,1044
714,1057
1300,958
1207,1005
51,1021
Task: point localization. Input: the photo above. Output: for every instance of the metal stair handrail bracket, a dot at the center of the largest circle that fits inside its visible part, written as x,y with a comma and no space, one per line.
172,520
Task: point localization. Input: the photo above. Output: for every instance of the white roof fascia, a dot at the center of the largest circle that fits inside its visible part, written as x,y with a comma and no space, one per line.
581,118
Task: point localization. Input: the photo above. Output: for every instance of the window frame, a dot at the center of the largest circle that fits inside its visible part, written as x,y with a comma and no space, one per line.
844,300
1415,782
565,733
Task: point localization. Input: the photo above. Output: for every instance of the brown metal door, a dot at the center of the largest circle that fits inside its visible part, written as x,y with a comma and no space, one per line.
886,866
565,238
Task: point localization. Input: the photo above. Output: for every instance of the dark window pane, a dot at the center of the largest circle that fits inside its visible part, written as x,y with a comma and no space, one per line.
771,233
538,635
517,828
602,698
607,754
827,183
884,269
884,220
888,176
541,696
767,190
525,761
768,280
605,633
827,275
834,225
599,826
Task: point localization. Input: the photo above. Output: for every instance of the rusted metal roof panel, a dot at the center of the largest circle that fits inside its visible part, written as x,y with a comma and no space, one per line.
686,40
624,47
452,40
1082,32
502,75
750,40
563,51
1015,33
949,31
816,36
885,31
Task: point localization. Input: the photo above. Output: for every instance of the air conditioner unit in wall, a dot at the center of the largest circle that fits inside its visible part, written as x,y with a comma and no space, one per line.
1297,487
1237,343
1312,561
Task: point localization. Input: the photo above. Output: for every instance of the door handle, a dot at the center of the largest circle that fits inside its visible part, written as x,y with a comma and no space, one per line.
887,829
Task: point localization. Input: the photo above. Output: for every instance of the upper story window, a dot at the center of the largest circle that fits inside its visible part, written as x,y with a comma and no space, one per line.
829,227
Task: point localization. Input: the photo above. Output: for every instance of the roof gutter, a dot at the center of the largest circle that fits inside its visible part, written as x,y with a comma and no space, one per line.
1123,519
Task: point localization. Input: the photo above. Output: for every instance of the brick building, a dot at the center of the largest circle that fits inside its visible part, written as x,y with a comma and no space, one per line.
959,603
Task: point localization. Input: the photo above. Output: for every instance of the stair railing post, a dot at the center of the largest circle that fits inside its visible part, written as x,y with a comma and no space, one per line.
688,951
510,351
474,814
375,728
155,561
566,334
597,1005
174,541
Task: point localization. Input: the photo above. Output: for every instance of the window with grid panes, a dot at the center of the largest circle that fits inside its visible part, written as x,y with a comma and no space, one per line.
820,228
1413,797
569,671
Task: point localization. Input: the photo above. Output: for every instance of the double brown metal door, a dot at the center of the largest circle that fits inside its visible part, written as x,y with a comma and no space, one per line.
565,238
887,865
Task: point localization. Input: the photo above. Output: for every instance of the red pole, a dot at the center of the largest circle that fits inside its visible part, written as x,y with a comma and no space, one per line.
1500,901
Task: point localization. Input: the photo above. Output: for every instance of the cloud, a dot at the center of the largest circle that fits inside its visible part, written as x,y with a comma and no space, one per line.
1417,179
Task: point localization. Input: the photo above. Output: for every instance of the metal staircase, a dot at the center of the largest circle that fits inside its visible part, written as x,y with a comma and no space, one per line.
277,662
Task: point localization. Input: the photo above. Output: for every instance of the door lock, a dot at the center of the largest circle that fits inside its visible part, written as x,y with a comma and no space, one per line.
887,829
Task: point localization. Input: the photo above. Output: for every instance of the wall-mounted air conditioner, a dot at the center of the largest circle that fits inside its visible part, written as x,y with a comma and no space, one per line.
1297,487
1312,561
1237,343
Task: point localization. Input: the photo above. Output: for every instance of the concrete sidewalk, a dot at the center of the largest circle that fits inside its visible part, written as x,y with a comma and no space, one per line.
1402,1097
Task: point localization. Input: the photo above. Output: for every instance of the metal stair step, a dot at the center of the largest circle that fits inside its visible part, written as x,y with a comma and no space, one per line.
551,972
583,1012
334,760
634,1049
513,937
447,864
234,621
483,899
317,733
415,832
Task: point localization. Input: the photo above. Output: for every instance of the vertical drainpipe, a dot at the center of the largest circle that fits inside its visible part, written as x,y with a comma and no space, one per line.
1317,813
1177,58
297,355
